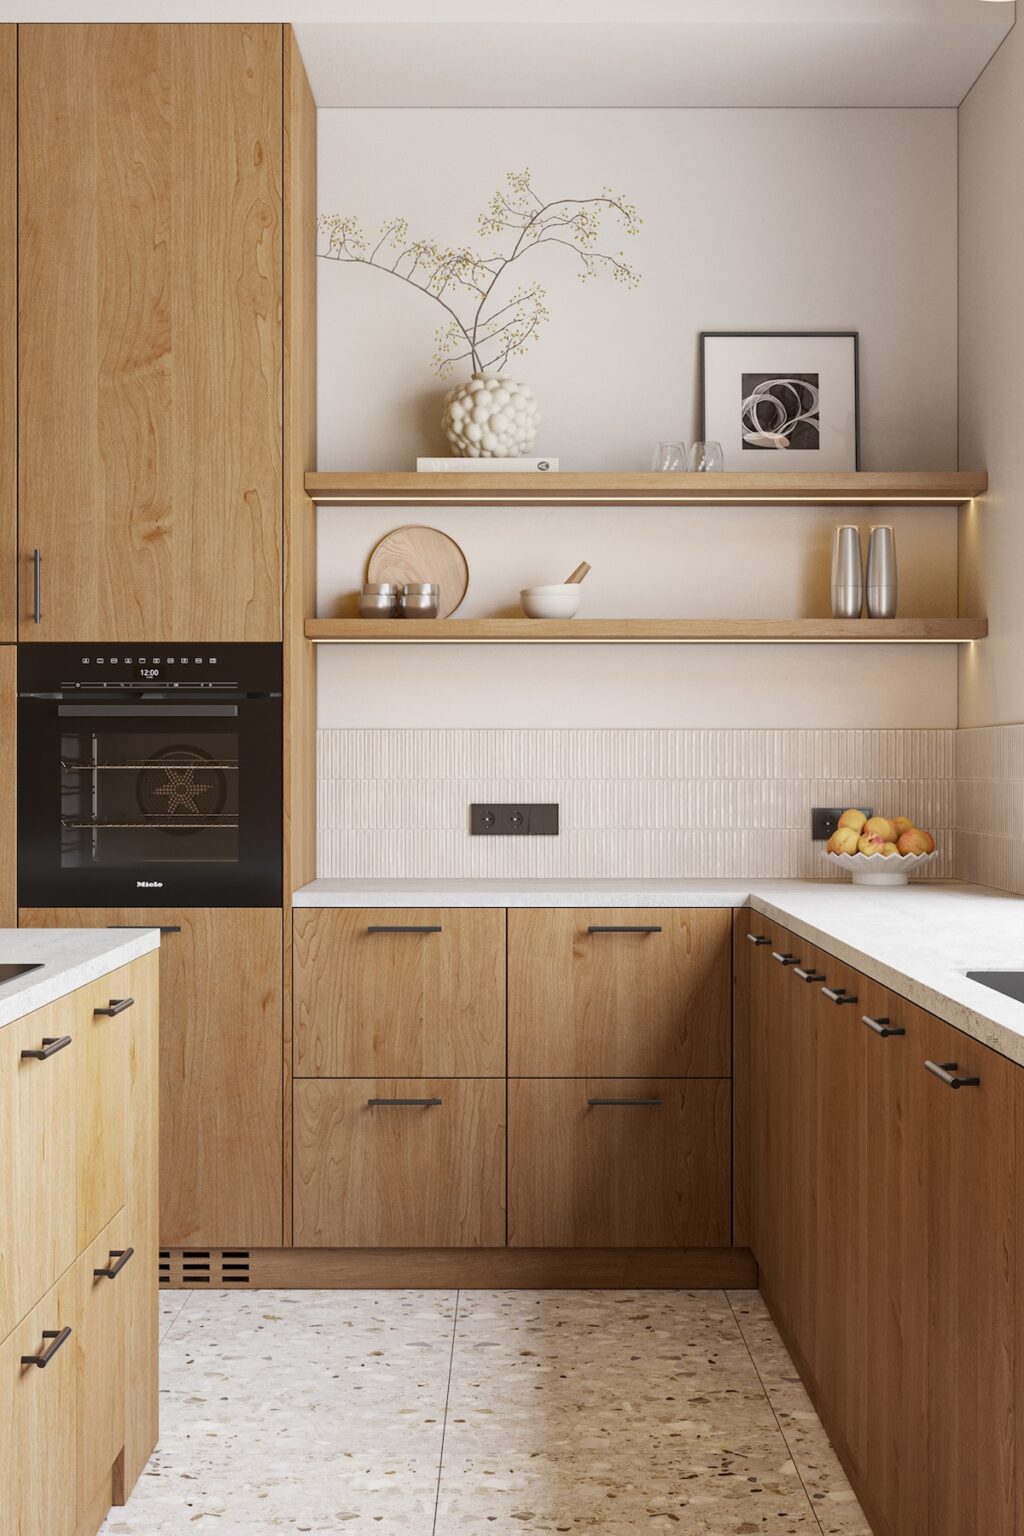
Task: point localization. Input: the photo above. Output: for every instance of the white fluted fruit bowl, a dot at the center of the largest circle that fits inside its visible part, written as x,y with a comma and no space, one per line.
877,869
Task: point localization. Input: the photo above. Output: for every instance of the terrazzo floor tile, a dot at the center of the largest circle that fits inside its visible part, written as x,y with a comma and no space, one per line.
172,1305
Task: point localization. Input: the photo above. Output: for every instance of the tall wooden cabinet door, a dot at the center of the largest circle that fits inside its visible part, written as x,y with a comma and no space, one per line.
102,1274
150,289
8,334
104,1021
38,1419
968,1144
619,993
141,1299
8,767
399,992
221,1062
767,1177
606,1163
38,1147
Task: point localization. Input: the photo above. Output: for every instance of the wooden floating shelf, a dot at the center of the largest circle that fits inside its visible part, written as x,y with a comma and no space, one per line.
648,490
647,631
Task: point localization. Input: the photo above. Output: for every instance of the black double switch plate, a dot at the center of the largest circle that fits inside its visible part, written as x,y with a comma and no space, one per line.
518,820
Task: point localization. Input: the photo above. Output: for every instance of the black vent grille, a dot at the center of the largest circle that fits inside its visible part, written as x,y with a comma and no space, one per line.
188,1268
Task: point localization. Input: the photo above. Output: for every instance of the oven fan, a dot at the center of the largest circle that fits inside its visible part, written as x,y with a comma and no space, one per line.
179,782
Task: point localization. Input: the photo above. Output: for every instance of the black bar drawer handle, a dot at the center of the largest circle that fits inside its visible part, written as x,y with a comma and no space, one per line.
142,927
122,1255
404,928
50,1046
624,928
59,1337
402,1103
785,958
838,995
117,1005
882,1026
758,938
37,586
945,1071
643,1103
806,975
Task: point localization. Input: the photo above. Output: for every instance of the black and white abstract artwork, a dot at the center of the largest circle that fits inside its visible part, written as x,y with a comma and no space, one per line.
780,411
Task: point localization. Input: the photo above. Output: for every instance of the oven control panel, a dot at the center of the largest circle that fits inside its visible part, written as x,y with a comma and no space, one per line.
234,666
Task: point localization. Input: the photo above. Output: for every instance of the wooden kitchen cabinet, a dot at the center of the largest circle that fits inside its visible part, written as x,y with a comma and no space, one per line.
8,333
630,1163
140,1298
150,337
396,992
619,993
39,1415
221,1059
400,1163
102,1039
99,1340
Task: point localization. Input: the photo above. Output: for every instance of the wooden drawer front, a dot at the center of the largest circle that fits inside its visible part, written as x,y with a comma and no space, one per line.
400,1176
37,1420
629,1175
606,1004
407,1003
37,1157
100,1341
104,1028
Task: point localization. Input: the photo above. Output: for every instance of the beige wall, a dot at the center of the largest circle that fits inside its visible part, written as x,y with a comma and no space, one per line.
992,384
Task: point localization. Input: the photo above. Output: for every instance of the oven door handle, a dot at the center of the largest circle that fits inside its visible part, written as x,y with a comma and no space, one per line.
146,711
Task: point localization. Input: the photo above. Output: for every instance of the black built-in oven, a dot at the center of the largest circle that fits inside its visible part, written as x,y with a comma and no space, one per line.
149,775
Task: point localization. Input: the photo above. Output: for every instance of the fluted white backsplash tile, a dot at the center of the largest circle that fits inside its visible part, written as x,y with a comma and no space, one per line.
989,806
633,803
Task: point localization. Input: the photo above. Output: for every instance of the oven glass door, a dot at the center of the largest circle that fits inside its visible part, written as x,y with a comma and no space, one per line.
174,804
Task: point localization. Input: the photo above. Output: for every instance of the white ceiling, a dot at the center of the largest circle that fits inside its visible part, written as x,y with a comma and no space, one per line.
633,53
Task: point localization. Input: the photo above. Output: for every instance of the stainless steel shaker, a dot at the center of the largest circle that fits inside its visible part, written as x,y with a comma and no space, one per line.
847,574
419,600
881,582
378,600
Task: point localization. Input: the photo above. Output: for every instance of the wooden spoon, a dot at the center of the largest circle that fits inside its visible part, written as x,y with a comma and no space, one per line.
582,570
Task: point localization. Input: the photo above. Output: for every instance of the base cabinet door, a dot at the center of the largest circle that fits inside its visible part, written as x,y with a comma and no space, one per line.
221,1065
619,1163
399,1163
103,1274
38,1418
104,1023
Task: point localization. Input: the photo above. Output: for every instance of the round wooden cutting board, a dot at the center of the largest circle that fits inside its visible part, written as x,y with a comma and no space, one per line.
422,554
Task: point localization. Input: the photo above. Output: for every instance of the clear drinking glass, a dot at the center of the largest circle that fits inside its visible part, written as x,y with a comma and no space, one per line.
705,457
668,458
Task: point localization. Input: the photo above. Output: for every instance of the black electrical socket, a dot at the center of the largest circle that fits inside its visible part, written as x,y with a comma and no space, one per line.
825,819
519,820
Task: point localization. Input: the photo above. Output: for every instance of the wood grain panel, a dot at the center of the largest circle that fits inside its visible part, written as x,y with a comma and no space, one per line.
8,330
99,1342
220,1068
38,1414
955,631
402,1004
743,924
142,1214
619,1175
150,337
102,1100
622,1004
400,1176
8,782
38,1156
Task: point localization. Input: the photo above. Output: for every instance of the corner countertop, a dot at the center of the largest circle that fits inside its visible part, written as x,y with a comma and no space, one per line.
919,939
70,957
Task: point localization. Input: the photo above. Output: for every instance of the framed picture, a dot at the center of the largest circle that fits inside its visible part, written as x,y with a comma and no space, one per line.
780,400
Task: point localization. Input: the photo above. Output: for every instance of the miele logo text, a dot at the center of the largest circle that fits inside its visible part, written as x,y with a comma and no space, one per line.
149,885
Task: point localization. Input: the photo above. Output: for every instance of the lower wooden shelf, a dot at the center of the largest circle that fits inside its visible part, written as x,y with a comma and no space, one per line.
648,631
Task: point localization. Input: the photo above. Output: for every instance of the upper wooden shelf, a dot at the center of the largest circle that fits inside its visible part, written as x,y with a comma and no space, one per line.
648,631
951,488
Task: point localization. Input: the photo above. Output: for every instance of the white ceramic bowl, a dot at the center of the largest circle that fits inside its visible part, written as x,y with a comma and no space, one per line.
561,601
876,869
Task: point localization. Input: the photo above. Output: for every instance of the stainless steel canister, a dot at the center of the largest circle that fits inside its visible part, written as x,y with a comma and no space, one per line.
419,600
847,574
881,582
378,600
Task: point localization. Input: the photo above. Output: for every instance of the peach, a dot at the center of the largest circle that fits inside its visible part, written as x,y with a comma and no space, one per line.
870,843
843,840
916,841
889,849
854,819
881,828
902,824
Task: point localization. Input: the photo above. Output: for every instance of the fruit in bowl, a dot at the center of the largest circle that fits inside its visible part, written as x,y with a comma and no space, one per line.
879,850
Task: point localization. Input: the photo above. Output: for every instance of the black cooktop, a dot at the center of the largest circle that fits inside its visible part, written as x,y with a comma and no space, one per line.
12,972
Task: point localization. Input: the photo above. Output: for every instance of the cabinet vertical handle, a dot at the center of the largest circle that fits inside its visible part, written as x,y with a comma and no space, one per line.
882,1026
37,586
122,1255
945,1071
117,1005
50,1046
58,1337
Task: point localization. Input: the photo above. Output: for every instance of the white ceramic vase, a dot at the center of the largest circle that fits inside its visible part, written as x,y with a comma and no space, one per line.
490,417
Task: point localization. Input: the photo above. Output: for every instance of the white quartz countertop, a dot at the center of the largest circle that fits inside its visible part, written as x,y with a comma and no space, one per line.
70,957
919,939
